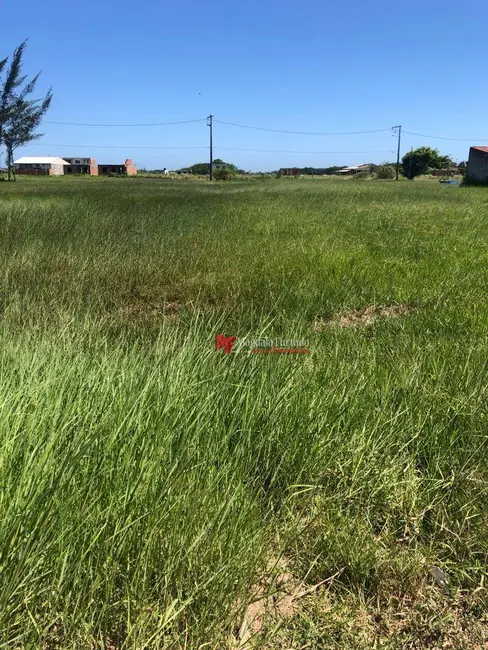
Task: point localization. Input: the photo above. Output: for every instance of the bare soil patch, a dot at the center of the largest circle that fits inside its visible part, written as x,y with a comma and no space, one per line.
363,317
275,599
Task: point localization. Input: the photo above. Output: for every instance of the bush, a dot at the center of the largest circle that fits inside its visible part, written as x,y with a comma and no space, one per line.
385,172
224,174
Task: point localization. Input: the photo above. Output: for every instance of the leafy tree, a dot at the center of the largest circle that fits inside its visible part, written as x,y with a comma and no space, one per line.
19,115
233,169
201,169
419,161
319,171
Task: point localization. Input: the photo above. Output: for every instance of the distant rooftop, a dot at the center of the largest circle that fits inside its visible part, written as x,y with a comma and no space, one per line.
40,160
351,169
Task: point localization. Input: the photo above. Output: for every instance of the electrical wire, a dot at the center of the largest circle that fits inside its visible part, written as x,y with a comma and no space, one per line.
126,125
306,152
108,146
260,128
438,137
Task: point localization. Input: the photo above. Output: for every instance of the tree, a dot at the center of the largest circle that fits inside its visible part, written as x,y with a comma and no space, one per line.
19,115
419,161
20,128
201,169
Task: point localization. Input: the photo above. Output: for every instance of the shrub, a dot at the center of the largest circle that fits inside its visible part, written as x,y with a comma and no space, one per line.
385,172
224,174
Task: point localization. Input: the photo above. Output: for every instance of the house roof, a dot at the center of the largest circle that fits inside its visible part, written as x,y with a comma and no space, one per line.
484,149
350,169
40,160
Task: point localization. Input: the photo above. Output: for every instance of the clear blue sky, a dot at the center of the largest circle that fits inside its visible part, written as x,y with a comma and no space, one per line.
312,66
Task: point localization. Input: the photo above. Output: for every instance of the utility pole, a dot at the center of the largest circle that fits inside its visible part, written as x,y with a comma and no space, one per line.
399,127
209,124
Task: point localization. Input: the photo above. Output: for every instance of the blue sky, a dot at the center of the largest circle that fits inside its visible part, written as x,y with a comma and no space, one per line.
318,66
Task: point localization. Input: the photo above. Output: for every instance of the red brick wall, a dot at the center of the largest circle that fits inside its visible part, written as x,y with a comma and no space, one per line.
33,172
131,169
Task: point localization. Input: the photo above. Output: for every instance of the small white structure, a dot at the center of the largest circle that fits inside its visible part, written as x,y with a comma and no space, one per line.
40,166
351,171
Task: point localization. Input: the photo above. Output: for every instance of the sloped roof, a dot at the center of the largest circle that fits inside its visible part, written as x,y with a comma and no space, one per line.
40,160
484,149
351,169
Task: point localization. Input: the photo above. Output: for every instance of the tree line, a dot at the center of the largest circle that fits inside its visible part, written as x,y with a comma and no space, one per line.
20,114
418,162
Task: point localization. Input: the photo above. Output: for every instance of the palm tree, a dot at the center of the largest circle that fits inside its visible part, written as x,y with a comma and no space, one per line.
19,116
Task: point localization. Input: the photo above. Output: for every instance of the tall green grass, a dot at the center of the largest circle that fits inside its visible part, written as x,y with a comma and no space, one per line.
149,481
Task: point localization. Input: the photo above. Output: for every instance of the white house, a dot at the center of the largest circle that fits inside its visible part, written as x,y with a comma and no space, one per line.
40,166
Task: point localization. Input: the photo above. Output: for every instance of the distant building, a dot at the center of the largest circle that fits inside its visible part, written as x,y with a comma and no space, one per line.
288,171
478,164
81,166
127,168
352,171
446,171
40,166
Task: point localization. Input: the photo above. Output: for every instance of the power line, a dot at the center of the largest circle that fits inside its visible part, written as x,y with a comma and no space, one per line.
110,146
107,146
125,125
306,152
438,137
260,128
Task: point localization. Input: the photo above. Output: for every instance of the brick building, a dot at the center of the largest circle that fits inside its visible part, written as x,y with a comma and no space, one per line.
81,166
127,168
478,164
288,171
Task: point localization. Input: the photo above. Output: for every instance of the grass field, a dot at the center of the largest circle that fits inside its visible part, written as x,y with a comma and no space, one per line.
152,486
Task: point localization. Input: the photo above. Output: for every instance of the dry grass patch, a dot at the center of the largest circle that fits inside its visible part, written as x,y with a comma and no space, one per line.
275,599
362,317
431,620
